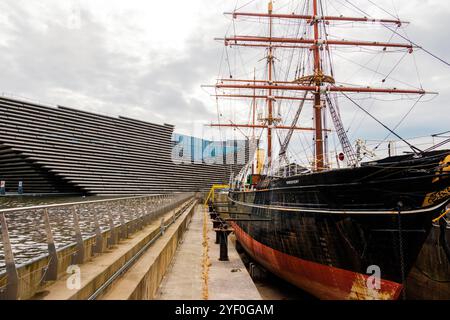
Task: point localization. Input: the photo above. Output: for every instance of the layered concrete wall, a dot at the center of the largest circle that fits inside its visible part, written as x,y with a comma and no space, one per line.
60,149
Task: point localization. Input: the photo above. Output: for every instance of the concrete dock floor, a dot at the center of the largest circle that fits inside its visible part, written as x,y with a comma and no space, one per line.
197,274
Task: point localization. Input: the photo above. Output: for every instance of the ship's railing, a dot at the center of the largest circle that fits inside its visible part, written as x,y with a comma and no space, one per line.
39,242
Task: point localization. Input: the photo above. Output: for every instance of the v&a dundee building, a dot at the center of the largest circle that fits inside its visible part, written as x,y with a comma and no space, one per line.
48,149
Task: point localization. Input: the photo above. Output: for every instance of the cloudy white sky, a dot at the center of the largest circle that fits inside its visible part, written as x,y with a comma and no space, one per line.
142,59
147,59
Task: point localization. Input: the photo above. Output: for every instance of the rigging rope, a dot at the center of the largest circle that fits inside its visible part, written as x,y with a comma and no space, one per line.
399,123
413,148
372,80
236,8
382,9
440,144
403,37
395,67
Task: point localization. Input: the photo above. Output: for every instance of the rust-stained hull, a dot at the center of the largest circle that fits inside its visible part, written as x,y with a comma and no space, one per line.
327,232
322,281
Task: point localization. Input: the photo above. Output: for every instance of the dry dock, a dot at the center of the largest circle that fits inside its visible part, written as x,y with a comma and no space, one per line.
196,273
166,252
97,275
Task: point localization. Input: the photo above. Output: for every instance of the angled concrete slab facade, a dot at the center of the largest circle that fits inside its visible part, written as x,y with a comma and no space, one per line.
60,149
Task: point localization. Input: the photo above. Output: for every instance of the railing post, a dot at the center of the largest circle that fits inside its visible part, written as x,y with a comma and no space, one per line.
164,204
135,209
138,217
52,269
162,227
123,226
112,240
79,256
98,248
146,211
12,286
171,204
132,218
157,205
154,206
141,208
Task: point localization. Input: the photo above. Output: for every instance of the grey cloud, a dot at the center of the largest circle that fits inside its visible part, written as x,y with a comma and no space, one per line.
76,66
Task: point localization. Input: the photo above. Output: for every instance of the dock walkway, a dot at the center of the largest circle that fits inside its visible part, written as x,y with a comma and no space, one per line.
196,273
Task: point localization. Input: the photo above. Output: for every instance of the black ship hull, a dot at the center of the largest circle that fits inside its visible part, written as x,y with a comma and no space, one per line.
429,279
330,232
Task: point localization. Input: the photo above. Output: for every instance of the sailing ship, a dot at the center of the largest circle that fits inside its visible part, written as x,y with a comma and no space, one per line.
337,233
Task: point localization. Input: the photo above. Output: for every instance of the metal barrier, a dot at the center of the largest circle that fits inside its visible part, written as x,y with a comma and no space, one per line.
32,234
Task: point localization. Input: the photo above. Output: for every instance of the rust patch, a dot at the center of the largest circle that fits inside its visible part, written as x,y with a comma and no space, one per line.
360,291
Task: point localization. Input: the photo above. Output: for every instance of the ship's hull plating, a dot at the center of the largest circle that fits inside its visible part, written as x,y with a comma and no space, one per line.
323,281
329,232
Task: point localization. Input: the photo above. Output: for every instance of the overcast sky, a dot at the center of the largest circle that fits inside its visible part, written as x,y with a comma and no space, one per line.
147,59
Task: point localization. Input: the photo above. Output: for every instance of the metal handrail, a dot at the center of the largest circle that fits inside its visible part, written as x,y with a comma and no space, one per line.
69,204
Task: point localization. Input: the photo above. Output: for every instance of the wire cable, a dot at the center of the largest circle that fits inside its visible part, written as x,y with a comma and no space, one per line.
413,148
403,37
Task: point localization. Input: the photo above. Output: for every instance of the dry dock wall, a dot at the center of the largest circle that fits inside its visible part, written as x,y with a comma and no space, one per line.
95,273
32,282
142,281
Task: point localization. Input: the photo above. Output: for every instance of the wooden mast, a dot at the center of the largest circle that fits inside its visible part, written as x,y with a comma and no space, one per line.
254,118
318,138
269,100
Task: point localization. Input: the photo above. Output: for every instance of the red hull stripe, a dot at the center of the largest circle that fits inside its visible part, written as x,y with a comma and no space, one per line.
324,282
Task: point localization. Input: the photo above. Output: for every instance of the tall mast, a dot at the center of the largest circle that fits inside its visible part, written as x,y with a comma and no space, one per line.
254,105
269,100
318,83
254,117
318,136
